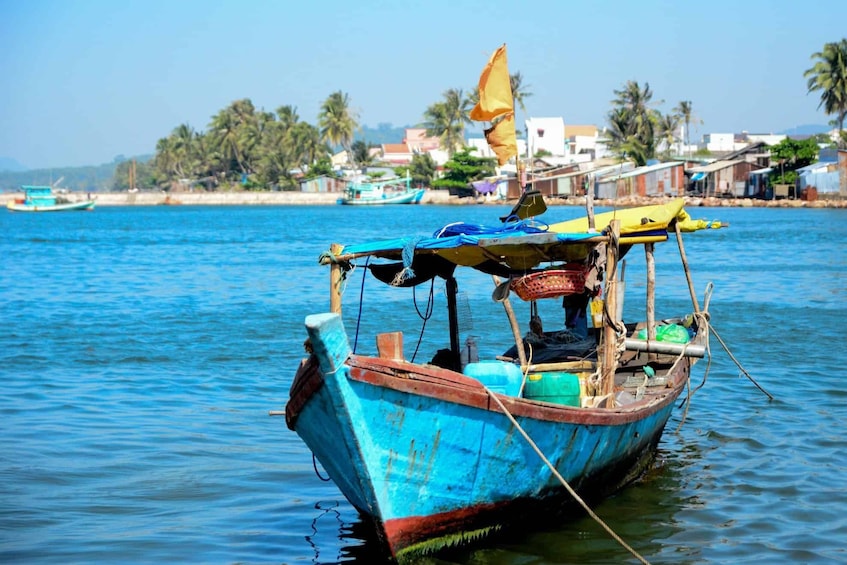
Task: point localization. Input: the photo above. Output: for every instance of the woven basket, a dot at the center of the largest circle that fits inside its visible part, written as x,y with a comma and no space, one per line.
550,283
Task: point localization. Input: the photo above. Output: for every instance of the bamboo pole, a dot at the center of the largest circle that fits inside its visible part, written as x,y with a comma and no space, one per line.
682,255
651,292
335,280
610,311
513,321
589,207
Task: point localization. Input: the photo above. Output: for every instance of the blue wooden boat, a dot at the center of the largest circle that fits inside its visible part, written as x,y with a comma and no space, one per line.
43,199
438,452
392,191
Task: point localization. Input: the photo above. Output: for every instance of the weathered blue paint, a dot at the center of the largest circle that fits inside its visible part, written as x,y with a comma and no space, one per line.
413,461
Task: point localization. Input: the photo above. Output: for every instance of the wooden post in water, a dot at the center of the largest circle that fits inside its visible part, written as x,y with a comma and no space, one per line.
685,267
610,312
651,292
335,280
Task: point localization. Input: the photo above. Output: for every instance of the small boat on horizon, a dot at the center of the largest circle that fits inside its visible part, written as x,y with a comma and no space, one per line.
44,199
391,191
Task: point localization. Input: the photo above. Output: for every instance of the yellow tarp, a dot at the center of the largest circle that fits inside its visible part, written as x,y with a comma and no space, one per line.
644,218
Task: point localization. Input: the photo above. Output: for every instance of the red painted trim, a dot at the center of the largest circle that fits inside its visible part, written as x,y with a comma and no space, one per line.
452,387
307,382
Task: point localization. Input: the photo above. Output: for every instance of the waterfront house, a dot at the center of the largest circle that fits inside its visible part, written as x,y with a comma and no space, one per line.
323,183
722,178
661,179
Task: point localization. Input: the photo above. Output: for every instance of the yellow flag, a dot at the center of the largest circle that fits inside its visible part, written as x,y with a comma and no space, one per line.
501,138
495,90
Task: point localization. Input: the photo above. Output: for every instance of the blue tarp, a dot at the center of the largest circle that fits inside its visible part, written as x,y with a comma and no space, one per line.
456,241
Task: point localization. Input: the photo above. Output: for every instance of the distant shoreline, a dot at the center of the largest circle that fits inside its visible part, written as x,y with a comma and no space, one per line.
439,197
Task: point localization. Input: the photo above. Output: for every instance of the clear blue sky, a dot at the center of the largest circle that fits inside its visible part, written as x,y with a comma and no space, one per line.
86,80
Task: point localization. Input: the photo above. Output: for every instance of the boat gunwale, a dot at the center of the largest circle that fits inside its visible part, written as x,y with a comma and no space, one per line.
460,389
452,387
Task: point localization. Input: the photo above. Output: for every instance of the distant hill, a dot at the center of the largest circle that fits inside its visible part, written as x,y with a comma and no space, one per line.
382,133
83,179
9,164
808,129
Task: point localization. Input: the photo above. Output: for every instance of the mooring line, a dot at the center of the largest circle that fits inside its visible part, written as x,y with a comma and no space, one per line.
743,370
562,480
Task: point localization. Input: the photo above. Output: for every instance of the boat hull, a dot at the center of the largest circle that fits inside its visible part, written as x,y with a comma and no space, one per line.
410,197
67,207
428,456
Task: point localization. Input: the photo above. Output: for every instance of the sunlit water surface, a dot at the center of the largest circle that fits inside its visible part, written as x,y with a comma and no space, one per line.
141,350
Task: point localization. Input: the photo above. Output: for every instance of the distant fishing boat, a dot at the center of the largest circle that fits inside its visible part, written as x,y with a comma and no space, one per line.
392,191
438,452
44,199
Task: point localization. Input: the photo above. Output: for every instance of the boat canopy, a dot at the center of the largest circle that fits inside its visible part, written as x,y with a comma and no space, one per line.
522,245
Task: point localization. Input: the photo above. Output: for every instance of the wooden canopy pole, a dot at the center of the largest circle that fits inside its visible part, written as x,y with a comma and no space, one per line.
610,312
685,267
589,207
651,292
335,280
513,321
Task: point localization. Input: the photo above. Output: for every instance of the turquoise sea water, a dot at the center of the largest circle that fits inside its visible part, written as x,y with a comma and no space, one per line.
142,348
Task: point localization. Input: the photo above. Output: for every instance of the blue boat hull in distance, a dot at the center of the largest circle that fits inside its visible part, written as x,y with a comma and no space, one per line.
86,205
43,199
407,197
436,453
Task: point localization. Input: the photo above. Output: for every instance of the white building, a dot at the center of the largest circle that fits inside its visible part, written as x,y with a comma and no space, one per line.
547,134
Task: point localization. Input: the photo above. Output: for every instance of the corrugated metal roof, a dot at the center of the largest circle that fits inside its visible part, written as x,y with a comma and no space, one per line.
613,175
716,166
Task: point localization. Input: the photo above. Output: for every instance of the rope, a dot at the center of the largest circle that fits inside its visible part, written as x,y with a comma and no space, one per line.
743,370
408,255
511,226
425,316
315,465
562,480
361,301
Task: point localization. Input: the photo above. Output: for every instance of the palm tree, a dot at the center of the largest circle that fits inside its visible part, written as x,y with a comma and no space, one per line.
287,116
633,122
225,131
446,120
829,76
667,125
519,90
338,122
306,144
686,114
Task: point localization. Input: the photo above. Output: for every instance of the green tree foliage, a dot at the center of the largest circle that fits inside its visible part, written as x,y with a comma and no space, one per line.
829,77
265,146
422,169
362,155
322,167
789,155
464,168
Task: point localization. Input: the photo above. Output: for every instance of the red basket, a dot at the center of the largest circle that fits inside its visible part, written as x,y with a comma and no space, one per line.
549,284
